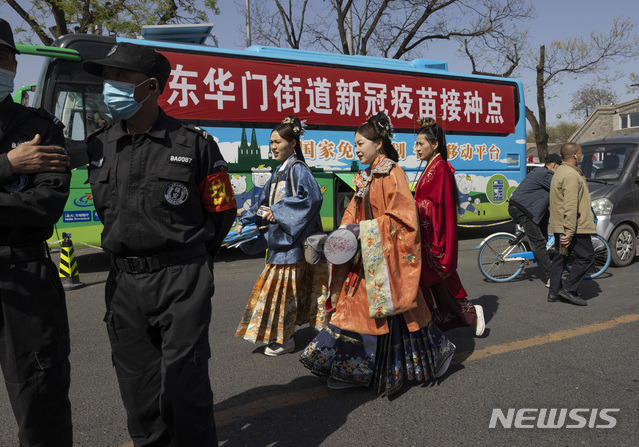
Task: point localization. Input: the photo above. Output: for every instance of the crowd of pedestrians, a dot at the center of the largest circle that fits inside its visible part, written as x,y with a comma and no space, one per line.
156,188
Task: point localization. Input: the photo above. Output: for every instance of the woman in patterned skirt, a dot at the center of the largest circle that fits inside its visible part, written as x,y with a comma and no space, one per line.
435,198
289,291
380,333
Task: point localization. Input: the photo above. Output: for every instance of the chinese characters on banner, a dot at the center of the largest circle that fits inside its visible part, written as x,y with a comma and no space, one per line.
220,88
344,151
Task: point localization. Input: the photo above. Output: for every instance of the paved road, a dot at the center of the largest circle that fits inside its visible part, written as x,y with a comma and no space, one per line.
534,355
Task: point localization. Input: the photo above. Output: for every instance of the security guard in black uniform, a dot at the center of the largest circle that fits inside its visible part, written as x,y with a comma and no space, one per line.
34,330
163,193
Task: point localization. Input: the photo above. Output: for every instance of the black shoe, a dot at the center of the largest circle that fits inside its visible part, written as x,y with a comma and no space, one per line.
575,299
553,298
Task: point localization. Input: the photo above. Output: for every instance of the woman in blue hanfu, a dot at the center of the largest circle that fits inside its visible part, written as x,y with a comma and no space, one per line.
289,291
380,333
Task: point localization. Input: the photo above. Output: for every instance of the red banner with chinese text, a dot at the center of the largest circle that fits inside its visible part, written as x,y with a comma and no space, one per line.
217,88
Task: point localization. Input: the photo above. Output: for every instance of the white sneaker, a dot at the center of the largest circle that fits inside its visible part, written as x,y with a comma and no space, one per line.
480,323
275,349
548,284
335,384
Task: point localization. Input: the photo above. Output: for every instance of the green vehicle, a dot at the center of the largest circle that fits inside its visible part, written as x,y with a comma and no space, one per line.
239,95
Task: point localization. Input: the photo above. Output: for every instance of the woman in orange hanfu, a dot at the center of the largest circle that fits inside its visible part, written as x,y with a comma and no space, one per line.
380,333
435,198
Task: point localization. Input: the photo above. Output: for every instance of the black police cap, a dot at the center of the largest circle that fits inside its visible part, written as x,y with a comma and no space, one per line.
139,58
6,36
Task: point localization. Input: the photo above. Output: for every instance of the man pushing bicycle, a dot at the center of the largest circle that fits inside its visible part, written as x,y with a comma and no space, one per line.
529,208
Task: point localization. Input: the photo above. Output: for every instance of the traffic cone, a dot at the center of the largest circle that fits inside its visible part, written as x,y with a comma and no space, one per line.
69,275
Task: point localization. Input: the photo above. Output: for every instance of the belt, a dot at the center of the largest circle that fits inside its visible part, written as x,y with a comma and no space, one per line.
10,255
156,262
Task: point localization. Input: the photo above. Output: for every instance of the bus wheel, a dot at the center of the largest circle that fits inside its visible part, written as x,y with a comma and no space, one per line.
623,242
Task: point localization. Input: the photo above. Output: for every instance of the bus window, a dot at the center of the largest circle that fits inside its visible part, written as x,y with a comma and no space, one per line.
81,113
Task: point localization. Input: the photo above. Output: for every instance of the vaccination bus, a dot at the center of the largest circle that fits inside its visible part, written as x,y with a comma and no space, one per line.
238,96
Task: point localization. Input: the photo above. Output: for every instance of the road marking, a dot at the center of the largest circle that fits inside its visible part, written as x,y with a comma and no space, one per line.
549,338
243,411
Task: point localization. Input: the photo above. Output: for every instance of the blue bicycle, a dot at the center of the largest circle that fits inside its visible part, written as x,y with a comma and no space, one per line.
502,256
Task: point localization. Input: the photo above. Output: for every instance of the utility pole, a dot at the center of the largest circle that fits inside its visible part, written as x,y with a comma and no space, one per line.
248,24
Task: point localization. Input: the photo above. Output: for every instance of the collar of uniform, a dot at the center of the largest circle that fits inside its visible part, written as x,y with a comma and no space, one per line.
157,130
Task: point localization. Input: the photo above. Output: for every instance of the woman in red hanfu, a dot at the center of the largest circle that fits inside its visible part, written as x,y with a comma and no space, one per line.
437,208
381,333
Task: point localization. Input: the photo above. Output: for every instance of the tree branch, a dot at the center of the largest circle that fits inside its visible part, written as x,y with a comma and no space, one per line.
35,26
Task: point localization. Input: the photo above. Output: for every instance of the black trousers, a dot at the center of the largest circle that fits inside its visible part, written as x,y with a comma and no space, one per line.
158,328
34,352
537,239
581,246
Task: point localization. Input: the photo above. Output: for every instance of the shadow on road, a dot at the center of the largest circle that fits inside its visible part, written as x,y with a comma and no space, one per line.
464,338
590,288
303,412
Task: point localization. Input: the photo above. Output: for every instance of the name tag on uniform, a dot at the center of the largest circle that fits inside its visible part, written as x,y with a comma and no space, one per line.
180,159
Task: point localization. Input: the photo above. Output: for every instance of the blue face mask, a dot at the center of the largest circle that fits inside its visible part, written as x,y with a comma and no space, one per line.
6,82
118,96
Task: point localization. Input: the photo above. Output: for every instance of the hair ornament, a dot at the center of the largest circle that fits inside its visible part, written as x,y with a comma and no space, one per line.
299,127
426,121
384,124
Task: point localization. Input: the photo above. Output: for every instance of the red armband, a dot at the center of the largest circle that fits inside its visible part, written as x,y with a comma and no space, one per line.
216,192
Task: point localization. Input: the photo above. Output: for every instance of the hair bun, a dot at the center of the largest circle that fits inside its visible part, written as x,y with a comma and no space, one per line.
383,121
298,126
426,121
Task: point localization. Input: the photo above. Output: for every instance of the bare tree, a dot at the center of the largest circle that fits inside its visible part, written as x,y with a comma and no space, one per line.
277,23
50,19
388,28
588,97
572,57
293,36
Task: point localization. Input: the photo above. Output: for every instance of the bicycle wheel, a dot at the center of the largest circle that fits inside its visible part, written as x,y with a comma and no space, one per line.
493,259
602,257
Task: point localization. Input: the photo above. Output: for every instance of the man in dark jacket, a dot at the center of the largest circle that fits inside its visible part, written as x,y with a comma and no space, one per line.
529,208
162,190
34,328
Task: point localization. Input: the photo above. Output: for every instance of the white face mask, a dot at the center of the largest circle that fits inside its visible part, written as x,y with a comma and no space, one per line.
6,82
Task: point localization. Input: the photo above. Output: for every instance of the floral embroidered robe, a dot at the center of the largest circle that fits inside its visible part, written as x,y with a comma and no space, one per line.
437,211
388,277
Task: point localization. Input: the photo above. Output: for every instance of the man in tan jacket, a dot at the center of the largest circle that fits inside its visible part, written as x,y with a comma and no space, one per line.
572,222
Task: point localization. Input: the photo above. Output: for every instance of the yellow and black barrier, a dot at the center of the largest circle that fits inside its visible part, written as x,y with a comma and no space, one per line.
69,275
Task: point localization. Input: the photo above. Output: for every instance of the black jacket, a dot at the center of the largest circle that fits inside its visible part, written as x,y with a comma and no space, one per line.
532,196
149,189
29,204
